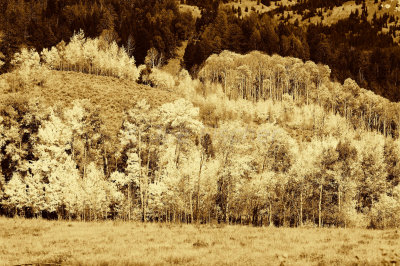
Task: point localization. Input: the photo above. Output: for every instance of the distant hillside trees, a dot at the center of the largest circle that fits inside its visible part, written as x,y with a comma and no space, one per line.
44,23
344,46
94,56
258,76
253,32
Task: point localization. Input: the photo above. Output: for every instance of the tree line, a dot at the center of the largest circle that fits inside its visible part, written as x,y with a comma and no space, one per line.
257,76
137,25
235,153
141,25
344,46
169,167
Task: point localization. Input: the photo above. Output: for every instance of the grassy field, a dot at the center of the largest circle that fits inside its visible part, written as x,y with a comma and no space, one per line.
125,243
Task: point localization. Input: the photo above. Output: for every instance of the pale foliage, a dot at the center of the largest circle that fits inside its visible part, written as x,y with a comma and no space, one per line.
99,193
56,166
15,195
386,212
28,70
182,115
119,179
161,79
186,85
133,169
93,56
51,58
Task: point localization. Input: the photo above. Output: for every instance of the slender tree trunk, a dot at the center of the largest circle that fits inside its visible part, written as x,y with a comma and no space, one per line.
140,175
301,207
270,214
105,161
198,189
129,201
339,201
84,158
191,205
339,197
142,201
320,207
146,180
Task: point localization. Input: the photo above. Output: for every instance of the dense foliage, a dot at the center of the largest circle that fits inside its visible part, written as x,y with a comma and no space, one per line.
345,46
256,139
138,25
280,154
257,76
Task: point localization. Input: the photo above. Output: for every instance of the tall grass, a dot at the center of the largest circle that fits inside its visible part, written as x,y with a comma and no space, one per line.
126,243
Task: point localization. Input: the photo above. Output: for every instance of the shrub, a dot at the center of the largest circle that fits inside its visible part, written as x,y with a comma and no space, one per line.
161,79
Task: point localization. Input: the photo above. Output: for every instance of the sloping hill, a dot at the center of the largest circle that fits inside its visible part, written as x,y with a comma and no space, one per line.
112,96
328,16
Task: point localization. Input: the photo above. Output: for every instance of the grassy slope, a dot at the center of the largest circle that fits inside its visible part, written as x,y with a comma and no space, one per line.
258,8
330,16
116,243
343,12
112,95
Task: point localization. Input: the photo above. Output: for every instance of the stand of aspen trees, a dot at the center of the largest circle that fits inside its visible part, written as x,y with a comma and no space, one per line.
260,139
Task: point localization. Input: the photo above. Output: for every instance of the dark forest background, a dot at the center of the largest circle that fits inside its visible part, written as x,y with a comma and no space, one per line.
353,47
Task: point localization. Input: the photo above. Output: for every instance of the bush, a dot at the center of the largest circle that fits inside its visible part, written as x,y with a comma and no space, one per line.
161,79
386,212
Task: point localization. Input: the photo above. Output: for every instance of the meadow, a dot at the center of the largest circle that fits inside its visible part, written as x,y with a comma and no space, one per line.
24,241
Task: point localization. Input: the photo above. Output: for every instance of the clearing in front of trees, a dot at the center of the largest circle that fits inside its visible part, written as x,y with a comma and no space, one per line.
24,241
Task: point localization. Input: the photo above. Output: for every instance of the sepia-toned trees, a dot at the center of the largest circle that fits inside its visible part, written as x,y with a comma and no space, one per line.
94,56
260,140
258,77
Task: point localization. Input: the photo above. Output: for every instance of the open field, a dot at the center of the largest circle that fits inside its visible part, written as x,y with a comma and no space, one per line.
127,243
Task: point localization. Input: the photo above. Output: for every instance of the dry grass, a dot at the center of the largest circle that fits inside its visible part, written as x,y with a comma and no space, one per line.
344,11
112,95
124,243
252,4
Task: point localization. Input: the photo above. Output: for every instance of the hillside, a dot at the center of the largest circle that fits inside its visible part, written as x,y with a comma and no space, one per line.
259,134
330,14
113,96
342,41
